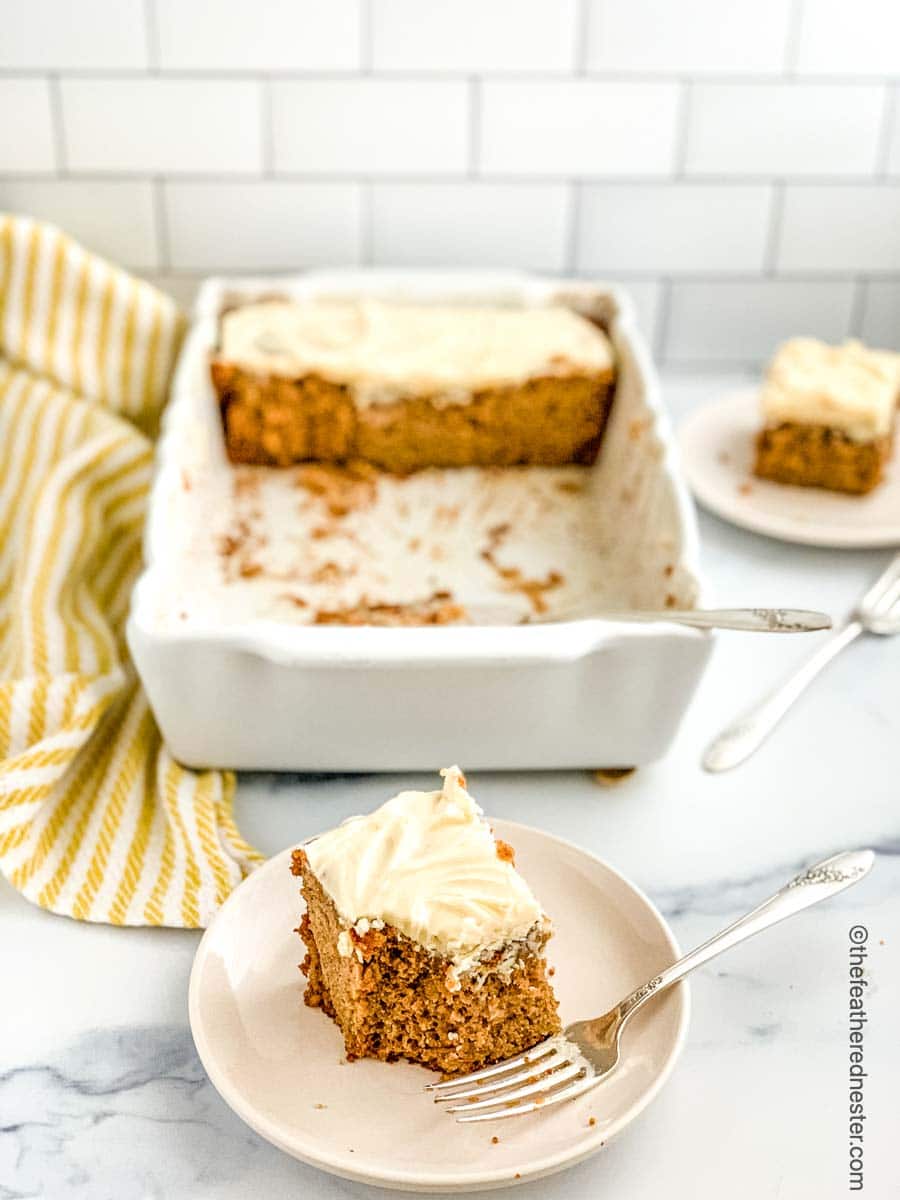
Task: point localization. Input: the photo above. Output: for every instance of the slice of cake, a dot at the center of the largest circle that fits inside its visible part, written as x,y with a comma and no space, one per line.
423,941
405,386
829,415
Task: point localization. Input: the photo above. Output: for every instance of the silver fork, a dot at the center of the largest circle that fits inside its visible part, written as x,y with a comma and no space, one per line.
573,1062
877,612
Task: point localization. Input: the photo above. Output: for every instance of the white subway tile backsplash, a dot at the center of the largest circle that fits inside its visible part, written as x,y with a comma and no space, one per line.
115,219
469,35
681,227
75,34
168,125
784,129
646,296
182,288
266,35
471,224
26,127
371,127
737,321
684,36
740,158
881,314
840,228
855,39
267,226
578,127
893,140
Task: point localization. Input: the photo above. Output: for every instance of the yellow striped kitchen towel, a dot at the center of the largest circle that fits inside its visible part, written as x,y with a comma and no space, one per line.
97,821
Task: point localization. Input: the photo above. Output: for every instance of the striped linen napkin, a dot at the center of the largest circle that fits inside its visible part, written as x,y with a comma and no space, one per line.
97,820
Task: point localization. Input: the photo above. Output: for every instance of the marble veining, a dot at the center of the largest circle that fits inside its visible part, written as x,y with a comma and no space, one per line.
102,1096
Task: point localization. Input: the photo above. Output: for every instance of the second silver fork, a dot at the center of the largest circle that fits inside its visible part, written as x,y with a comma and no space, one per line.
583,1055
877,612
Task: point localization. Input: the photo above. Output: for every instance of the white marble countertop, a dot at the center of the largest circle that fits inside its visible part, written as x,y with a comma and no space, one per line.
102,1095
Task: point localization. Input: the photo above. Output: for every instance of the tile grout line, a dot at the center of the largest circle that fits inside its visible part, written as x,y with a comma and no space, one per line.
161,225
583,19
761,80
858,307
473,96
656,181
151,36
792,41
58,126
366,222
366,37
773,237
682,127
267,128
573,229
889,116
661,333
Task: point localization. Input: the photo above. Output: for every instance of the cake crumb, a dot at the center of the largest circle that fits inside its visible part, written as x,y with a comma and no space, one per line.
495,1141
745,489
505,852
320,1106
637,428
518,1175
592,1121
551,971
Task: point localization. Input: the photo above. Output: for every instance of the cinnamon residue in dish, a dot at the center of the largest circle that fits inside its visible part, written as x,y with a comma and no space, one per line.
342,489
438,609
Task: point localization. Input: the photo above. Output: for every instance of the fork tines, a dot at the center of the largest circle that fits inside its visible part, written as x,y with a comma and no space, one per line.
548,1074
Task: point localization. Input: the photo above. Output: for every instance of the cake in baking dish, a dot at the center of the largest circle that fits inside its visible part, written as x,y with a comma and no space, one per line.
406,386
829,415
422,940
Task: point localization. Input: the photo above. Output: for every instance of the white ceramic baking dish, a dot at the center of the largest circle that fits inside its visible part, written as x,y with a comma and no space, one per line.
258,693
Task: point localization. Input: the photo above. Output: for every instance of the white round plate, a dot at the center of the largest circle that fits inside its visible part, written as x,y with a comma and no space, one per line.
280,1065
717,454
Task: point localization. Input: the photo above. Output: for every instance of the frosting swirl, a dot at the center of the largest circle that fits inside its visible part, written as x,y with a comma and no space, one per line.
427,863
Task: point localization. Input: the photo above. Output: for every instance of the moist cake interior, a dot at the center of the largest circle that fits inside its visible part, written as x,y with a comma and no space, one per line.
453,974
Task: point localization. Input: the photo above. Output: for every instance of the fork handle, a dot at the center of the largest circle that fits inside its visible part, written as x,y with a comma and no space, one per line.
745,735
816,883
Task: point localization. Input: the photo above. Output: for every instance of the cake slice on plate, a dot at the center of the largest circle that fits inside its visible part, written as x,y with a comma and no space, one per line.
829,415
423,941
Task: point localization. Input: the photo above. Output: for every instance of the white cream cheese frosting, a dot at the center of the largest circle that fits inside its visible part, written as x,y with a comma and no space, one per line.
384,351
426,863
848,387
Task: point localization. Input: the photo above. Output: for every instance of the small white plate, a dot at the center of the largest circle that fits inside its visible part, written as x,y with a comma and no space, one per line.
717,455
281,1067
